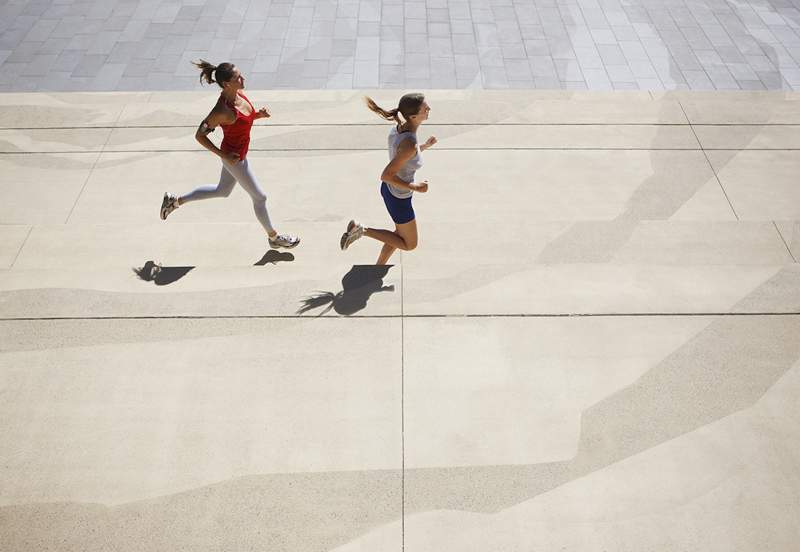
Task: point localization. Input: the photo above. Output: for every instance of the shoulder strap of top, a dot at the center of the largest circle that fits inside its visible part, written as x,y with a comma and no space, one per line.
248,101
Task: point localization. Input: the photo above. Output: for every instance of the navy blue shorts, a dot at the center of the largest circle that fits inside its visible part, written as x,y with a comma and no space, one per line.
400,210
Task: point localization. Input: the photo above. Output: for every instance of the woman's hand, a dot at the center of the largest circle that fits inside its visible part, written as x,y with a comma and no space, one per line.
420,187
263,113
429,143
230,157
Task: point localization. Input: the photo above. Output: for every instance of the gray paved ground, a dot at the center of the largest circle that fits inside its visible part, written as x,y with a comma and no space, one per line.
343,44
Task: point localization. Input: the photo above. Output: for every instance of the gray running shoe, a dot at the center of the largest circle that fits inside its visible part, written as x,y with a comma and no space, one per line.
284,240
169,204
354,231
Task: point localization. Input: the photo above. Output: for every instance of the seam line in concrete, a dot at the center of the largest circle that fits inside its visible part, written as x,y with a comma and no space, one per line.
390,316
532,148
710,166
21,246
402,410
778,230
89,175
337,125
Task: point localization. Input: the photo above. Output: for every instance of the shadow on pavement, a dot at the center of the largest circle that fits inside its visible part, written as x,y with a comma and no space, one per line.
357,287
275,257
161,275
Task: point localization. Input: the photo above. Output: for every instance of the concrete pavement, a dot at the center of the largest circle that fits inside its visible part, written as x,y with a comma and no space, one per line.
595,347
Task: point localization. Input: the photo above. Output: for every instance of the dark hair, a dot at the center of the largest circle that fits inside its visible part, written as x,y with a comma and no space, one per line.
223,72
409,105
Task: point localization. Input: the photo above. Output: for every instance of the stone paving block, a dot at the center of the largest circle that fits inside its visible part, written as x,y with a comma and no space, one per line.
597,79
465,44
611,54
568,70
760,63
457,26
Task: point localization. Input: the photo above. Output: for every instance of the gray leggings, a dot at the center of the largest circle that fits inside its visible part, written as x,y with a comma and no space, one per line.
230,175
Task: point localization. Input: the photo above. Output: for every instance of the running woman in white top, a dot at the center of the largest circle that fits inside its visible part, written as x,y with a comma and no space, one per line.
398,184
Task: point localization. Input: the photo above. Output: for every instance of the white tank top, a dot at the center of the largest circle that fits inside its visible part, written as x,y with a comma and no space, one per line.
406,172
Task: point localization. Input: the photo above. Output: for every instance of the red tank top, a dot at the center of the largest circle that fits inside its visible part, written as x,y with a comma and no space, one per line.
236,136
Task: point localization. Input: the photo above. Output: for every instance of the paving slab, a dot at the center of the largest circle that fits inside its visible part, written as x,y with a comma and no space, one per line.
527,409
337,107
699,456
707,112
564,184
445,109
739,137
752,195
300,187
42,188
228,427
370,136
790,232
193,270
53,140
646,267
12,238
62,110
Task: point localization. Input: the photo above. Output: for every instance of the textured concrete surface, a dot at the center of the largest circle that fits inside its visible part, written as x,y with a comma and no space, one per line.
596,345
52,45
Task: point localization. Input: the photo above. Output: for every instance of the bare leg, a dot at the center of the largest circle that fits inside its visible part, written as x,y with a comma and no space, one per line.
386,252
404,237
386,236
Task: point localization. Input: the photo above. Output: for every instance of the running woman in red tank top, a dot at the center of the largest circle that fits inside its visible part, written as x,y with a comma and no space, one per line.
235,114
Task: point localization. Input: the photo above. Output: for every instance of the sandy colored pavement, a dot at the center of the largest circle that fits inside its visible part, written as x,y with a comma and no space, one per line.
596,345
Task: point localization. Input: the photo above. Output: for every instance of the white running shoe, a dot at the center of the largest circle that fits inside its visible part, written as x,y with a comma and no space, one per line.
283,240
354,231
168,204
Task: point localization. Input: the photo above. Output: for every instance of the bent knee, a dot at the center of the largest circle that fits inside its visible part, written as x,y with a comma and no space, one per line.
410,245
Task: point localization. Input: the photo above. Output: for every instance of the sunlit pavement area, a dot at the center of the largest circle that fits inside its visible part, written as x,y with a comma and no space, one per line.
594,347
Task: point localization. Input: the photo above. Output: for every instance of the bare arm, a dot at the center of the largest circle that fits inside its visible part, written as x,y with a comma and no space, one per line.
429,143
214,119
405,151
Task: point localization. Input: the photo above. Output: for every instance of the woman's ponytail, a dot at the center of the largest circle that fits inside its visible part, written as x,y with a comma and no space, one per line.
206,70
388,115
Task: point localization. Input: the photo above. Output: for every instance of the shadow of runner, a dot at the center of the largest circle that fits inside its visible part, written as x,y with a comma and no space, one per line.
161,275
275,257
358,285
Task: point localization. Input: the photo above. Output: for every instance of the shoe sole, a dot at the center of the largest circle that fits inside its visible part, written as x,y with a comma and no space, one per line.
343,241
163,211
278,246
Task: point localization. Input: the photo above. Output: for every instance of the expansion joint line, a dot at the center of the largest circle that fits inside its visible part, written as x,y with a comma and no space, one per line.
710,166
778,230
94,164
402,411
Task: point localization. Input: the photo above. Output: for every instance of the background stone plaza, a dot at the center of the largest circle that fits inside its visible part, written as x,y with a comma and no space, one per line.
596,345
342,44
